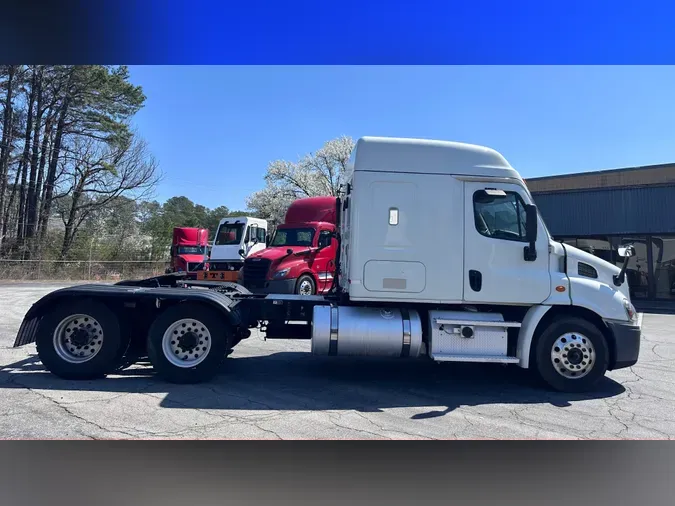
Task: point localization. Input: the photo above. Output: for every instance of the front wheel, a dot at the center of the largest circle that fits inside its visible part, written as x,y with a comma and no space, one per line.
187,343
305,285
571,355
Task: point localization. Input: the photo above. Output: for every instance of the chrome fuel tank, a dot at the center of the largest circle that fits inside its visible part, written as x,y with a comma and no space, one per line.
365,331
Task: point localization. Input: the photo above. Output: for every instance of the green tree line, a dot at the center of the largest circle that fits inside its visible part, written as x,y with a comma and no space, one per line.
128,229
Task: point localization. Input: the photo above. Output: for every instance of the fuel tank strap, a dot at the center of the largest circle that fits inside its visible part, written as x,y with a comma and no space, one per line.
405,317
333,344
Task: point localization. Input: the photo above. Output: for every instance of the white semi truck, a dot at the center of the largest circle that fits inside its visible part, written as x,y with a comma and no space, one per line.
495,287
237,237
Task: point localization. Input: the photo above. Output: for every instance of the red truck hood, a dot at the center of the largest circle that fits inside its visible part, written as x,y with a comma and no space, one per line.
278,252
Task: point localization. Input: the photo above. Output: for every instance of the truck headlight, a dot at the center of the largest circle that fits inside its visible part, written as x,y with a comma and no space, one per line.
281,274
630,310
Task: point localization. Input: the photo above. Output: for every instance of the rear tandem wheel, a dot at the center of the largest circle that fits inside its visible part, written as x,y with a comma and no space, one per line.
188,342
80,340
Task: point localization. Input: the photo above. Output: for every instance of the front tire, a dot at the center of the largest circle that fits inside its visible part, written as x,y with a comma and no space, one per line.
187,343
79,340
571,355
305,285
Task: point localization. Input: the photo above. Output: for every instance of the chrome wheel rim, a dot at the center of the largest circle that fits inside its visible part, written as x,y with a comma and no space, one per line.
573,355
78,338
186,343
305,287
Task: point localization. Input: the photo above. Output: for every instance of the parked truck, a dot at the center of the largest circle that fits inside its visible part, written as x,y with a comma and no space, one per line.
300,257
188,250
237,237
442,256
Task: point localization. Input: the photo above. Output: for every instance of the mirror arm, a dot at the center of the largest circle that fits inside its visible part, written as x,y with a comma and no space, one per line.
530,252
621,277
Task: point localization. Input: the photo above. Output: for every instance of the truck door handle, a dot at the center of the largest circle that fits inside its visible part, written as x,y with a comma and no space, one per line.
475,280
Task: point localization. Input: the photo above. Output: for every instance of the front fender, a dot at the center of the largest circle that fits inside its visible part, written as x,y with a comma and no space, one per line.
599,298
526,334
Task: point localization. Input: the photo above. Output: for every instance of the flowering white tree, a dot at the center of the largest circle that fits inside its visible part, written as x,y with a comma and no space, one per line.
316,174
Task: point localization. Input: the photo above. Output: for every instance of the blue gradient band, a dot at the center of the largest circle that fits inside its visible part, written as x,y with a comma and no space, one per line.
349,32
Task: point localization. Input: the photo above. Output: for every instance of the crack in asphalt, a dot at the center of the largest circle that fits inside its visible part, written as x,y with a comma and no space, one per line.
223,417
332,417
383,429
68,411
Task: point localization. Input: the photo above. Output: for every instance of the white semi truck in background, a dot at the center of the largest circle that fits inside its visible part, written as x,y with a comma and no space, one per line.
442,257
237,237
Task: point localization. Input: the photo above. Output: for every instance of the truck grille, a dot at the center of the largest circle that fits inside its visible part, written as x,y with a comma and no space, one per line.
255,272
192,266
224,266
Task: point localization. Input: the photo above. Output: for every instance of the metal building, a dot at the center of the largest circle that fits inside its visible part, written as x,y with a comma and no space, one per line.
599,211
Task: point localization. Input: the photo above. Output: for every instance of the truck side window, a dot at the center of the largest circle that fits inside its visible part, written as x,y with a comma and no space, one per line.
325,238
247,236
261,234
500,215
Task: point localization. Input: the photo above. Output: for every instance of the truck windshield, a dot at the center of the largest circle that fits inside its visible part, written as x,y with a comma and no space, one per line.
293,237
229,233
191,250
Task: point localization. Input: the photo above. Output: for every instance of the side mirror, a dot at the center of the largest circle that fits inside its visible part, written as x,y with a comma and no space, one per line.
267,240
324,241
626,252
531,227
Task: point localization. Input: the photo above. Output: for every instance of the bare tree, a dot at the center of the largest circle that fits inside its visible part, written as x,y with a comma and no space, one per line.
96,174
315,174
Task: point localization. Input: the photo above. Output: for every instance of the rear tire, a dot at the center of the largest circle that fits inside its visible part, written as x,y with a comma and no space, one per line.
79,340
571,355
188,342
305,285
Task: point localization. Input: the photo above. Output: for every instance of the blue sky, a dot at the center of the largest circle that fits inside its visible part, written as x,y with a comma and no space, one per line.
215,129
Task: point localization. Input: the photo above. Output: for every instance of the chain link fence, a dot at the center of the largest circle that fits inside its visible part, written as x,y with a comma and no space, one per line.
79,270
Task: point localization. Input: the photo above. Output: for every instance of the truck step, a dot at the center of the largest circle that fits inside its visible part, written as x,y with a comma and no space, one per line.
443,357
477,323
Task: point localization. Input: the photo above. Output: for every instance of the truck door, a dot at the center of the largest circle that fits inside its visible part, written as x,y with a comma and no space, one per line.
323,264
495,269
251,238
258,240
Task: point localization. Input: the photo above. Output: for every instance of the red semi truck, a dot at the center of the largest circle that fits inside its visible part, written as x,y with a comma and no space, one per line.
188,249
300,257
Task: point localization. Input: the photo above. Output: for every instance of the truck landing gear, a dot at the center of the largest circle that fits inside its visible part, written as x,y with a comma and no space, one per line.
187,343
571,355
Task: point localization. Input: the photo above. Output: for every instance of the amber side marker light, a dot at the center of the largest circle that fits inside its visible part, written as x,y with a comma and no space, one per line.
559,288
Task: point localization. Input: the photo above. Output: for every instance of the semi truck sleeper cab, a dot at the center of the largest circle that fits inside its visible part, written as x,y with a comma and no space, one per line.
495,288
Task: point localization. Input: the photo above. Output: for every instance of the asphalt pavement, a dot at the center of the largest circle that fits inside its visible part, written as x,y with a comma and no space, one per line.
276,389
